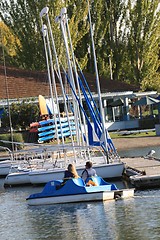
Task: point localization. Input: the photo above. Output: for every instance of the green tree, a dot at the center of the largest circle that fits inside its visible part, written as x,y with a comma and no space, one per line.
110,36
22,17
143,25
128,31
116,35
100,24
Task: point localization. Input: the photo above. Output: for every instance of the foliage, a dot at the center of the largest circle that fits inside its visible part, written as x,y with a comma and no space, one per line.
17,137
143,41
127,31
7,40
22,114
116,35
23,19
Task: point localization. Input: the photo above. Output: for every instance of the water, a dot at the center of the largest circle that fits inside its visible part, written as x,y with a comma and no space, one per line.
140,152
130,219
135,218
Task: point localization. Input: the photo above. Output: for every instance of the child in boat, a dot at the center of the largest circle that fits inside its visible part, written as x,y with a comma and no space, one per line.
70,172
88,171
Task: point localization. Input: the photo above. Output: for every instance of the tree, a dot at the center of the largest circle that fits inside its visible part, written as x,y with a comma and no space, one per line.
99,20
128,31
116,39
110,36
22,17
7,40
143,41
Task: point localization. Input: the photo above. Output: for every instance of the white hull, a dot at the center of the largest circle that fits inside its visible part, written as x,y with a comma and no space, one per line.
17,178
99,196
5,167
104,170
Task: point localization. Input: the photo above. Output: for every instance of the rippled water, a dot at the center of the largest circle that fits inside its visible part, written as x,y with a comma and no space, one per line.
132,219
135,218
135,152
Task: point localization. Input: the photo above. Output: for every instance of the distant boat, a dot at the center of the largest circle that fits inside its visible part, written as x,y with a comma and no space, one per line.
17,178
5,167
44,170
109,171
76,190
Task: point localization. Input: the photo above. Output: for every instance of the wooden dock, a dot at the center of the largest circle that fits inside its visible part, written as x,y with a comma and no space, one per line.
150,166
143,172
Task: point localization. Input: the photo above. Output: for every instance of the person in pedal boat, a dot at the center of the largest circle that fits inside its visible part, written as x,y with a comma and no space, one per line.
70,172
88,171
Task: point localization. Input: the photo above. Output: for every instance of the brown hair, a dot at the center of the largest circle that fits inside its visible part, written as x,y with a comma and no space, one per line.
89,164
72,169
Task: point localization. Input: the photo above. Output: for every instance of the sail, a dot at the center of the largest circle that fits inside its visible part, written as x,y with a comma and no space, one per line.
52,107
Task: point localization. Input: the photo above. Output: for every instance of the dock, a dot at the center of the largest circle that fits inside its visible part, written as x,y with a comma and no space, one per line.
142,172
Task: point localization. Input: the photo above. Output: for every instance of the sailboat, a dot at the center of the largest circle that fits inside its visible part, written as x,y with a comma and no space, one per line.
90,139
94,135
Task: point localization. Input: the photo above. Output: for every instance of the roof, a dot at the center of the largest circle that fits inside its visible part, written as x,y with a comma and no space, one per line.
26,84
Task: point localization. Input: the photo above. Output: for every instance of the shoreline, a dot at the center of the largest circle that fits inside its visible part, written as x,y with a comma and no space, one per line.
137,142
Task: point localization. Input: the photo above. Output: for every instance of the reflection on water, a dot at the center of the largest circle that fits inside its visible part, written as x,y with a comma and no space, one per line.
139,152
135,218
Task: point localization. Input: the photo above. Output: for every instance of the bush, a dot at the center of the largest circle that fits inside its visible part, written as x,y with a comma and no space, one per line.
17,137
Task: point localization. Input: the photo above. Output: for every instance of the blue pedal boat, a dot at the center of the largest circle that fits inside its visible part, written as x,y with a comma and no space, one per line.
75,190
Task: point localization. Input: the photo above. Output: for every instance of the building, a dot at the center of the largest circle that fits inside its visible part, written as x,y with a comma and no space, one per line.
17,85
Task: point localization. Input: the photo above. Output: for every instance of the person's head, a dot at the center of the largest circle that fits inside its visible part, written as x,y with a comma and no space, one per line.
89,164
72,169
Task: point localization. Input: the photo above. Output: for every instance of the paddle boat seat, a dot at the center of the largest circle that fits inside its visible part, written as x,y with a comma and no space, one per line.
98,181
79,182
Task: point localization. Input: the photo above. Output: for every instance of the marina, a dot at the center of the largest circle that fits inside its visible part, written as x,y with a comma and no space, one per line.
53,162
73,221
40,196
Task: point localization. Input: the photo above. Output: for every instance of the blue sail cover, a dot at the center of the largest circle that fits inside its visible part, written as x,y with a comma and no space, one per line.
95,135
89,92
97,121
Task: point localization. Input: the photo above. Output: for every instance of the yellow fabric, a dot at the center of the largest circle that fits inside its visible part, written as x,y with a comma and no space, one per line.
42,105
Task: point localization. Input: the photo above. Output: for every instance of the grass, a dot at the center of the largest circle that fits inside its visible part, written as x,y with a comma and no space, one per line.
133,135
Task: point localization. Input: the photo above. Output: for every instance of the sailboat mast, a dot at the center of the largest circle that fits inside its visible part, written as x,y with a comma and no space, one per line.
97,80
7,94
45,36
